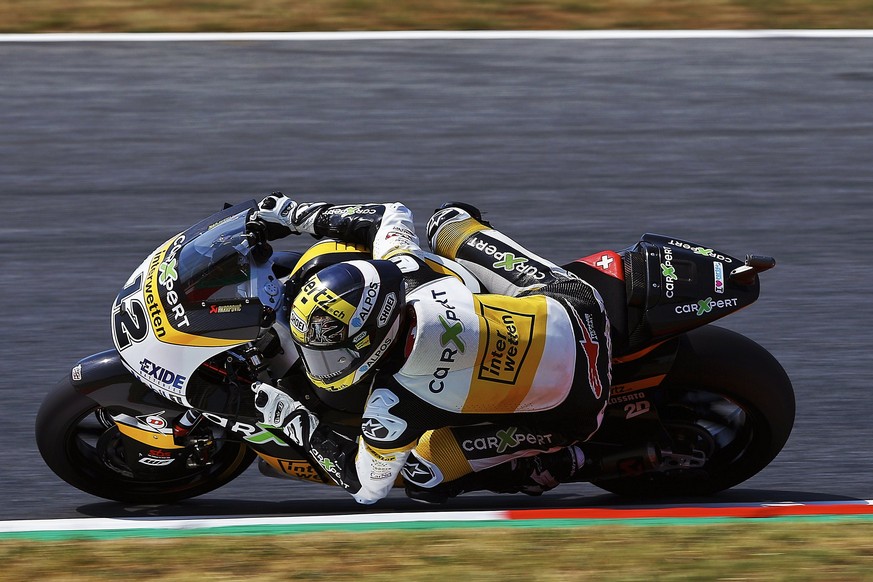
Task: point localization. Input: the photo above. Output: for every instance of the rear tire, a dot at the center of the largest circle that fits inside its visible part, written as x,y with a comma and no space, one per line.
75,445
727,396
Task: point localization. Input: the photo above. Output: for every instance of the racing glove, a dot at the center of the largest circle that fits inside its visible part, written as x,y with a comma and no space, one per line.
281,411
288,216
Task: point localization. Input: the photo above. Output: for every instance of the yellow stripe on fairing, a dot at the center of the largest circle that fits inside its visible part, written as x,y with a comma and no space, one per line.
148,437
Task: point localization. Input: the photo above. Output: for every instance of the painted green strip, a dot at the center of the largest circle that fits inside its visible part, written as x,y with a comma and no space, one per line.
245,530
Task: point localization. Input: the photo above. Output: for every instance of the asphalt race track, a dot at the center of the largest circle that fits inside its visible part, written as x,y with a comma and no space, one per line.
755,145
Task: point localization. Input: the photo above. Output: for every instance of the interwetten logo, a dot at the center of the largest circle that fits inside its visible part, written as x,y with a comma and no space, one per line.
509,336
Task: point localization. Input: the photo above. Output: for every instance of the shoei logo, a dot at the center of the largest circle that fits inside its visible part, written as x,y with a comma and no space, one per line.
298,326
387,309
705,306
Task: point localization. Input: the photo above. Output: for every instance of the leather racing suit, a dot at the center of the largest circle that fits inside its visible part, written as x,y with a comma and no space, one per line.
483,378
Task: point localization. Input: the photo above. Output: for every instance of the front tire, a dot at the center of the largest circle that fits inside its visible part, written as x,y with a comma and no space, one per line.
726,397
80,446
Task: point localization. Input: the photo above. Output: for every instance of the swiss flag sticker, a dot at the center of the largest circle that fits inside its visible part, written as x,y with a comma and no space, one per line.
607,261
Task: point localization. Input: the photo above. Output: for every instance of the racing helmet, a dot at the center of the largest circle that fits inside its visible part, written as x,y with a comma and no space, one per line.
345,319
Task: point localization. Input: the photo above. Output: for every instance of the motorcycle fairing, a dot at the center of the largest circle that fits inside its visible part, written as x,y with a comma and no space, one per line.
608,262
153,430
196,296
689,285
300,468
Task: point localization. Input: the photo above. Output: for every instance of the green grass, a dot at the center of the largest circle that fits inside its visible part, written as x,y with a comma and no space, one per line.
750,550
17,16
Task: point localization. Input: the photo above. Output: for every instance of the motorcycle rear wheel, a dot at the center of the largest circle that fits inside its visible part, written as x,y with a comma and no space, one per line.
725,396
80,449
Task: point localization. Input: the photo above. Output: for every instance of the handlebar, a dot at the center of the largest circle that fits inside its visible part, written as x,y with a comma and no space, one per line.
257,233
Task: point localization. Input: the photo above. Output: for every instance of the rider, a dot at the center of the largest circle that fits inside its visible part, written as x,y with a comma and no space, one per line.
507,380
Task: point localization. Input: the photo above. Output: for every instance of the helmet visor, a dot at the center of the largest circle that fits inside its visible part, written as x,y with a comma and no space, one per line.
325,330
329,364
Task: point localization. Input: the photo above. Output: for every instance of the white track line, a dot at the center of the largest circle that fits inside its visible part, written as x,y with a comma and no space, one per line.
437,35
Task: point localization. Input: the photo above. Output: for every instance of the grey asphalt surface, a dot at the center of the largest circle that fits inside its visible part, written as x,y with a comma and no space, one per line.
762,146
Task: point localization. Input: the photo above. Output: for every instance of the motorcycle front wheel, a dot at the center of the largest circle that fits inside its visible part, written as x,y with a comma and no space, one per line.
78,441
728,407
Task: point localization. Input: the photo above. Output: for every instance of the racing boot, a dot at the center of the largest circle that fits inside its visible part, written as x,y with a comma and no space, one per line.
529,475
536,475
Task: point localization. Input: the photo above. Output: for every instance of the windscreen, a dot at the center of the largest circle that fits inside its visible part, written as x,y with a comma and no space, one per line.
215,265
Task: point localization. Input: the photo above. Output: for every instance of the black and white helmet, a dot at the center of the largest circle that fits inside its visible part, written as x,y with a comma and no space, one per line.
345,319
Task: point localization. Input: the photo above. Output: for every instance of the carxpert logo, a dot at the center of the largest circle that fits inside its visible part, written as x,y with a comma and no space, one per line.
508,339
452,334
699,250
705,306
505,441
668,270
505,259
164,271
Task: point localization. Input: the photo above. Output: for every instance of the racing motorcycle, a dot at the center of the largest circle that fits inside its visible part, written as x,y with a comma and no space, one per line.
168,413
